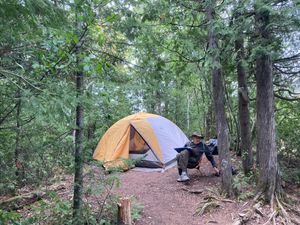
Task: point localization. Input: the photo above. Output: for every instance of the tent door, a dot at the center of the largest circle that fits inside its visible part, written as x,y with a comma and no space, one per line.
140,151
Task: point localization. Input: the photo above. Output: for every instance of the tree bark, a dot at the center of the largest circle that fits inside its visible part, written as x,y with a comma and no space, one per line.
219,103
124,212
188,112
79,135
208,121
18,163
243,101
269,180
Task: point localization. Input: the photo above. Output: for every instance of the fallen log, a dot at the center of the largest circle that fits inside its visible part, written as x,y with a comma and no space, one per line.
19,201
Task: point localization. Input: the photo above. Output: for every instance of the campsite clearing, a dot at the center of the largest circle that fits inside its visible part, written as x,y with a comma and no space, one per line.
168,202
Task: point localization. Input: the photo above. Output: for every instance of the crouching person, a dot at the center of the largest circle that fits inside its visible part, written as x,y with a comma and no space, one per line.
190,158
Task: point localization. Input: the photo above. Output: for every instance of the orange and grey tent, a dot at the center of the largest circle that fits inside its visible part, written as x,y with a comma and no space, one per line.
150,138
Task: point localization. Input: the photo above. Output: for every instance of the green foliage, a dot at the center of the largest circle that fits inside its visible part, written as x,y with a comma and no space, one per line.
99,204
9,218
40,62
136,209
244,186
52,211
136,56
289,169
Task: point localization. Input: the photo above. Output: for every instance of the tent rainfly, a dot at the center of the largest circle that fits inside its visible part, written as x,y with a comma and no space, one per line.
150,138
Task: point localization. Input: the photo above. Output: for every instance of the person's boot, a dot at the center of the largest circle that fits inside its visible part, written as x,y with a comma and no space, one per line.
179,172
184,176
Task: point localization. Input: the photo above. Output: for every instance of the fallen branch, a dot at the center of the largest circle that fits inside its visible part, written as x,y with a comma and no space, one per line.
247,215
220,199
206,207
18,202
196,191
272,217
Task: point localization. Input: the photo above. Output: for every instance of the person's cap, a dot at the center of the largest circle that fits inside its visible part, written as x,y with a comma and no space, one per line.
196,134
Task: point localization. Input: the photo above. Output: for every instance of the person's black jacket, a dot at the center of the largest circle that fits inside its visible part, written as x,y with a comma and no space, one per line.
196,153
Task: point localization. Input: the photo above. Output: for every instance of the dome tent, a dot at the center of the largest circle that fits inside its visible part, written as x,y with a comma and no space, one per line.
150,137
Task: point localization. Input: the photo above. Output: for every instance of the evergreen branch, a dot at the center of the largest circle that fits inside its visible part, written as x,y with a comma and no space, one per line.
75,45
24,123
79,43
293,57
287,90
120,59
3,118
7,49
285,98
285,72
3,71
188,25
181,55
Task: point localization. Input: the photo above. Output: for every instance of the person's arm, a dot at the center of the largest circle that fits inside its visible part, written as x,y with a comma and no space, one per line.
187,144
210,157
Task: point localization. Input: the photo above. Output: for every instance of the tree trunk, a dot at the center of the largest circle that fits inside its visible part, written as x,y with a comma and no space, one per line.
79,135
188,112
124,211
219,103
244,117
208,121
18,162
269,180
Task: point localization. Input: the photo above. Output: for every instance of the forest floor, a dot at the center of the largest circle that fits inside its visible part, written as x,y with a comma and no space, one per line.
168,202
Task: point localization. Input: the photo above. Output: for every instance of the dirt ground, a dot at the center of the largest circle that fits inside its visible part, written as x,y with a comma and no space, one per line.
166,201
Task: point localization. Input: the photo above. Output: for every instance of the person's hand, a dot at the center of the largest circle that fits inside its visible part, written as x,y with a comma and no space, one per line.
217,171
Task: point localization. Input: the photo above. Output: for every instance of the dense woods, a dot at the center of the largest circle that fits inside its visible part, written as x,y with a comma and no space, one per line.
70,69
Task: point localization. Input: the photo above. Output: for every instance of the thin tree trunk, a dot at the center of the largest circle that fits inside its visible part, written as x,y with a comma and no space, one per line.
79,135
219,103
206,114
244,117
233,121
18,163
188,112
208,120
198,105
269,180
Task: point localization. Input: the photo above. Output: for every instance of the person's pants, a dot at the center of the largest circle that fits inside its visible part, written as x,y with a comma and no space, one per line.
184,161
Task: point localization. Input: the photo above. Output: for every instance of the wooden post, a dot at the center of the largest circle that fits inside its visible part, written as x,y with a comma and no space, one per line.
124,211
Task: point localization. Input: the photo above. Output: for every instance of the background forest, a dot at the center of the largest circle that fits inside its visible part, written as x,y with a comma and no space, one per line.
84,64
